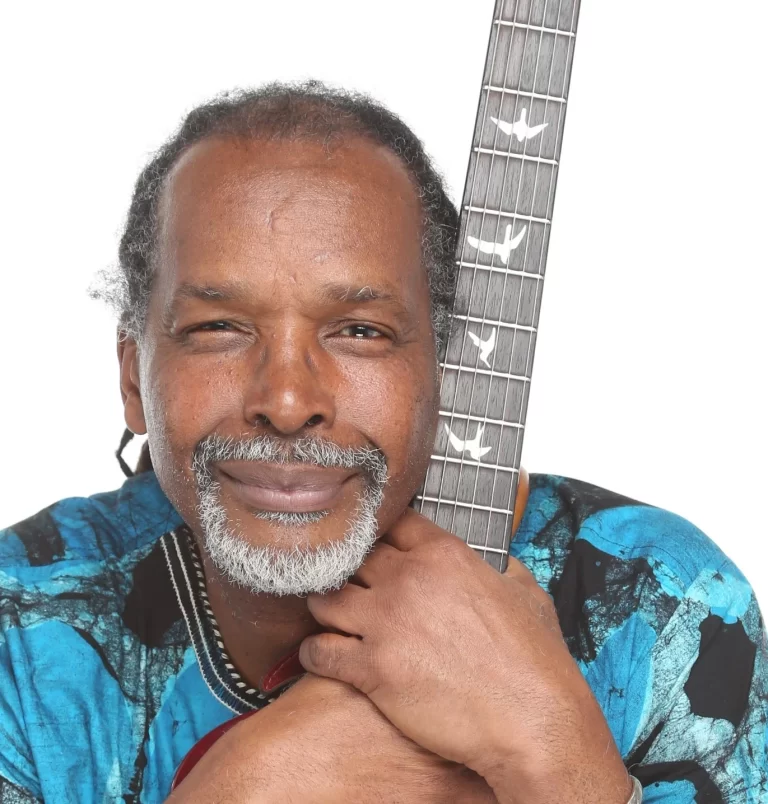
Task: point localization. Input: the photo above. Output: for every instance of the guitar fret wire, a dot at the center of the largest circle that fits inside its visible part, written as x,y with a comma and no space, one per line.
552,180
468,505
528,27
493,322
470,194
475,266
535,95
473,170
497,467
481,419
538,161
485,549
541,254
510,154
553,173
506,164
497,270
489,372
531,218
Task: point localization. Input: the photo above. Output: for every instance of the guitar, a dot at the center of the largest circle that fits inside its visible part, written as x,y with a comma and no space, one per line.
473,477
506,218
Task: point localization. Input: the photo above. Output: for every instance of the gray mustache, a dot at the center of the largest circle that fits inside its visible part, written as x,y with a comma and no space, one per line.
269,449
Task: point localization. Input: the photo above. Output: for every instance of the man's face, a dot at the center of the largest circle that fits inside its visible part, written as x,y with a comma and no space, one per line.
290,301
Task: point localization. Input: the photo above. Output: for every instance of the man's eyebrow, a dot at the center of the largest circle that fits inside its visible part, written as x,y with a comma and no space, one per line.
345,293
226,292
333,292
340,292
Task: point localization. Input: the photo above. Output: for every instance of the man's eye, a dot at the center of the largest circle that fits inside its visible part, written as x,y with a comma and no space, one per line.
361,331
212,326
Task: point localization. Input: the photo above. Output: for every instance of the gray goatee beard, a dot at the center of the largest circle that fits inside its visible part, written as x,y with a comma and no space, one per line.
297,570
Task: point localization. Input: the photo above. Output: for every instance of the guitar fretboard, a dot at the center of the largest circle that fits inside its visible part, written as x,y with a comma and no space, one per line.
506,219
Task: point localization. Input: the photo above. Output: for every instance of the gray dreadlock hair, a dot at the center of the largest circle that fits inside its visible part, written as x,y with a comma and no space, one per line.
278,111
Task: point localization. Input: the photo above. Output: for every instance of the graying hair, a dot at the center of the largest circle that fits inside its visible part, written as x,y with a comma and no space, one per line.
265,569
279,111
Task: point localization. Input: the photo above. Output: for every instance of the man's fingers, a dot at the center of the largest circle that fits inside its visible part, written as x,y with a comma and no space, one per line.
336,656
411,530
378,562
520,573
517,571
343,610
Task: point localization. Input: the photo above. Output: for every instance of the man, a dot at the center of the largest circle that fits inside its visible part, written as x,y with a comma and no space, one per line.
285,282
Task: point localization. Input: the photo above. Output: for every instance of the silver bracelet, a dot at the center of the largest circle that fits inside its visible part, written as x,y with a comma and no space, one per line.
637,792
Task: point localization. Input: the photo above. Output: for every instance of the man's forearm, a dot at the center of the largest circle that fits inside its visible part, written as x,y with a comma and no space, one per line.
231,771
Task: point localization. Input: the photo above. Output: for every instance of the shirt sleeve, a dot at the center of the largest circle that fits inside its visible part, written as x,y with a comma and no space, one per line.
18,776
704,735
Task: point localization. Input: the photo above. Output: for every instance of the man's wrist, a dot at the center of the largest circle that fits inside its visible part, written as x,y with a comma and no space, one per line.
565,764
606,782
570,755
637,792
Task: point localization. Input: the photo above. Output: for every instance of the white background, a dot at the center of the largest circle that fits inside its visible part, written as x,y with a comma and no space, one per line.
649,374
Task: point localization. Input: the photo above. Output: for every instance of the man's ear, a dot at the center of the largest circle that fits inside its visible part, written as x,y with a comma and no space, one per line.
127,354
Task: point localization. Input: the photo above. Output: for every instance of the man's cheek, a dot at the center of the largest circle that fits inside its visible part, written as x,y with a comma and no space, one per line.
182,410
197,402
417,414
397,412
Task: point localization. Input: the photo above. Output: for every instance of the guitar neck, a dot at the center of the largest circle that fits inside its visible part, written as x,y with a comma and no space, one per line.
506,219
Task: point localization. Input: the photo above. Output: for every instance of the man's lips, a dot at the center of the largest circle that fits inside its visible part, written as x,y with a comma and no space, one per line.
295,488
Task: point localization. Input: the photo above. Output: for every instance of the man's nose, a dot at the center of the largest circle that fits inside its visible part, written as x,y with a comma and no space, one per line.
290,390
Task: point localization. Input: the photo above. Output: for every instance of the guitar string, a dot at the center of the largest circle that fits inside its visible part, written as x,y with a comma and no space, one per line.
541,254
527,369
551,190
504,434
462,468
459,471
502,185
521,282
481,114
541,257
508,161
482,325
558,145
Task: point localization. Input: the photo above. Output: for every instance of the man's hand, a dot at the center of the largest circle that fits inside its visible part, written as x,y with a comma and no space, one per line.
323,742
471,665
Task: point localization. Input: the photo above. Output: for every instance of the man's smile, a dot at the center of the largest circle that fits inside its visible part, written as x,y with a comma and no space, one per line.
285,488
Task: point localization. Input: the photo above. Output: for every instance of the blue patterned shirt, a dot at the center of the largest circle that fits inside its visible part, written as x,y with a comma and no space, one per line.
111,667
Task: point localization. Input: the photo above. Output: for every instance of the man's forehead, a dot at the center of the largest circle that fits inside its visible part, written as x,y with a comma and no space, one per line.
262,204
247,218
238,169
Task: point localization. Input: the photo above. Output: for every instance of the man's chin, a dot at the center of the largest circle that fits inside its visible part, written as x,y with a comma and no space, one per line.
286,530
282,552
289,559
